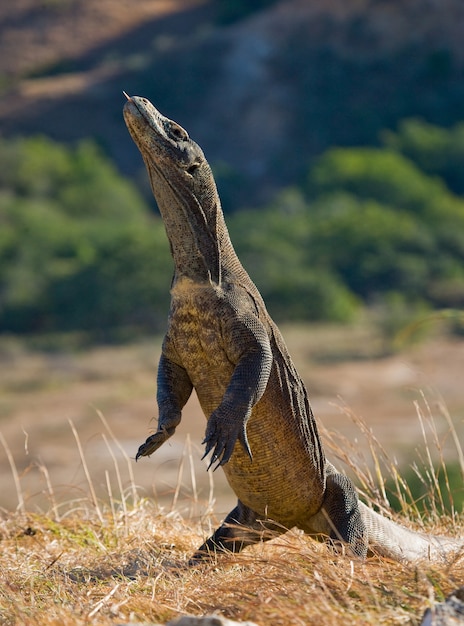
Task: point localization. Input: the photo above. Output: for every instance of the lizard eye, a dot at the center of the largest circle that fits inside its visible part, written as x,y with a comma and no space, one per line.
176,131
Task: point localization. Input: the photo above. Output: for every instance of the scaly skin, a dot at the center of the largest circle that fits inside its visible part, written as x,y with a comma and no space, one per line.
222,343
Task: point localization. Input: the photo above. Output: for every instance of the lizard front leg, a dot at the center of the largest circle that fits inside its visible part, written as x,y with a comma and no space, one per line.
247,345
174,389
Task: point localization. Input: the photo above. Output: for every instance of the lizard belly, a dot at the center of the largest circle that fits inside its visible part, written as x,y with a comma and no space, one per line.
282,482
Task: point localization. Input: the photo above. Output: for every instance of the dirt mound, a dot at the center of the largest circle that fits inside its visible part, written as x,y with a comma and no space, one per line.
263,95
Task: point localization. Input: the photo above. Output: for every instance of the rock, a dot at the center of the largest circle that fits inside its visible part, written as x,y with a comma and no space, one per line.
205,620
448,613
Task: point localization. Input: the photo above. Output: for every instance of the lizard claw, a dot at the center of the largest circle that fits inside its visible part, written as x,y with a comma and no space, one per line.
152,443
245,443
220,438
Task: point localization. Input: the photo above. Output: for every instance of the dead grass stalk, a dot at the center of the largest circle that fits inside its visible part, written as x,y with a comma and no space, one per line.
123,558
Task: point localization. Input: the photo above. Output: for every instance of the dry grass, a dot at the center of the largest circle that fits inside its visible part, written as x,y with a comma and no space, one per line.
376,472
123,558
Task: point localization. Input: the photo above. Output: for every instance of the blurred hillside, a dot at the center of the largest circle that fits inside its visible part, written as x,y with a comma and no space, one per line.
263,94
337,125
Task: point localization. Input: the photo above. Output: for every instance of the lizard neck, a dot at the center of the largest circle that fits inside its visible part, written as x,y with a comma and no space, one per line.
186,194
198,236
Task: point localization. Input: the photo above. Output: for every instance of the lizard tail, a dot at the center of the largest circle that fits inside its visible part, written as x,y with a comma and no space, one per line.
393,541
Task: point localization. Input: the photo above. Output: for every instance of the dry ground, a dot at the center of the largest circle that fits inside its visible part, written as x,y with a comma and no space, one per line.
41,393
113,539
116,567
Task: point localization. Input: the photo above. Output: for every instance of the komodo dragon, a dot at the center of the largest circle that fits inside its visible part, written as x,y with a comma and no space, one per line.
222,343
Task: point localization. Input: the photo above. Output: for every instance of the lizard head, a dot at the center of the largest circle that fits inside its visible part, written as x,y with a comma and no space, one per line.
183,185
161,139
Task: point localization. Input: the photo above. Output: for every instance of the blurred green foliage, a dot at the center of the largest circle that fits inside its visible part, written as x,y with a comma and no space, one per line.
390,226
437,151
275,246
371,225
382,227
78,246
441,492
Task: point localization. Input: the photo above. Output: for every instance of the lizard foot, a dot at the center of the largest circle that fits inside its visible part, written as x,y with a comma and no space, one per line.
221,436
152,443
